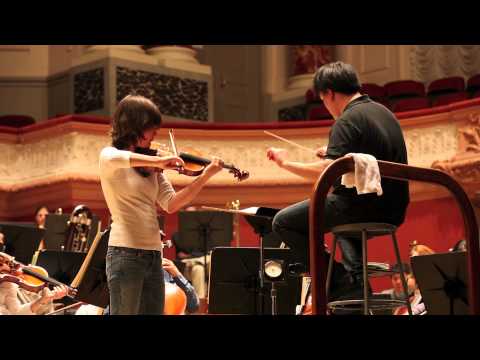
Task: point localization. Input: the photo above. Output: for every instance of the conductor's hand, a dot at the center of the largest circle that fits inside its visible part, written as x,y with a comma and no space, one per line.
170,267
169,162
214,167
321,152
277,155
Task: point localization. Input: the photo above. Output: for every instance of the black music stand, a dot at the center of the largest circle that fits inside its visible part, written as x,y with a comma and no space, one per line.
57,231
201,231
442,280
21,240
62,266
234,283
93,288
261,222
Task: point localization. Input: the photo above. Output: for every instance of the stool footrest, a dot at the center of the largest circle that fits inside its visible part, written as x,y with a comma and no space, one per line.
373,304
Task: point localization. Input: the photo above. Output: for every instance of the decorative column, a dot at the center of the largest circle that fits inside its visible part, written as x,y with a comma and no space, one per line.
134,48
165,53
178,57
305,60
133,53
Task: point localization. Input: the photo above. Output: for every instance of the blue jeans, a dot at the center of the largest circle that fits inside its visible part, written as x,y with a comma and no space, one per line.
135,281
292,225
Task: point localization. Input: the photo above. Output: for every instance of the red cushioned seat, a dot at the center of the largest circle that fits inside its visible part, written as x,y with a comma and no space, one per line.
16,121
310,96
374,91
405,88
318,112
476,94
450,98
447,85
411,104
473,84
384,102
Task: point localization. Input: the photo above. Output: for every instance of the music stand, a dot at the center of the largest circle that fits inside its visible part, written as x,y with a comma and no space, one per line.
261,223
201,231
57,230
61,266
21,240
260,219
234,283
91,282
442,280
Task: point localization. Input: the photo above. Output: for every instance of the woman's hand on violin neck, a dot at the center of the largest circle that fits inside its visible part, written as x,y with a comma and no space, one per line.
169,162
214,167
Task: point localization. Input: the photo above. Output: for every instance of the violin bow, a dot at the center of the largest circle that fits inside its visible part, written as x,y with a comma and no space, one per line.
172,142
290,142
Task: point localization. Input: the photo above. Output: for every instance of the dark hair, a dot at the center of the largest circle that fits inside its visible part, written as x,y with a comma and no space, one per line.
338,77
37,210
134,115
406,268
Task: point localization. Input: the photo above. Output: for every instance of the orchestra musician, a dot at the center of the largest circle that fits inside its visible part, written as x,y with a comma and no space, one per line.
10,298
133,184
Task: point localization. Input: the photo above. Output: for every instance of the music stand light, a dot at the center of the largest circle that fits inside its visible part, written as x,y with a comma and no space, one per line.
234,283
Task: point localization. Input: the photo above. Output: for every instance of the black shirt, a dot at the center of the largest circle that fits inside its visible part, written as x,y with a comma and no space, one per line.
370,128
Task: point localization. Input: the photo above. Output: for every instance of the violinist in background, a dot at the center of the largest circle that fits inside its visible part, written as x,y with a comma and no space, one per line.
133,184
10,303
41,216
2,242
41,213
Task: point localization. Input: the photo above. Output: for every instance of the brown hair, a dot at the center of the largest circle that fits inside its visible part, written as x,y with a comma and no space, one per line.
134,115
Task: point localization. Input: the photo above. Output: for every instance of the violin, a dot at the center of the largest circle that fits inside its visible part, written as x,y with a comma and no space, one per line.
195,164
31,278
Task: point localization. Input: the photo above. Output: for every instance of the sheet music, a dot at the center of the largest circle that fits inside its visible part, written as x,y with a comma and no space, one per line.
247,211
250,210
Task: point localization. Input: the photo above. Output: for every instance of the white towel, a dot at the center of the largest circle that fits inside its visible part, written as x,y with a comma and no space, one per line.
366,177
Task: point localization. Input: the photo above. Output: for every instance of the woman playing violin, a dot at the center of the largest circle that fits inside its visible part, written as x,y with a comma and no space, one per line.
133,184
9,297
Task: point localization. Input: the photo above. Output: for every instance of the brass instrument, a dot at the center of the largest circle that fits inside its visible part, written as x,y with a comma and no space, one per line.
235,205
79,227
